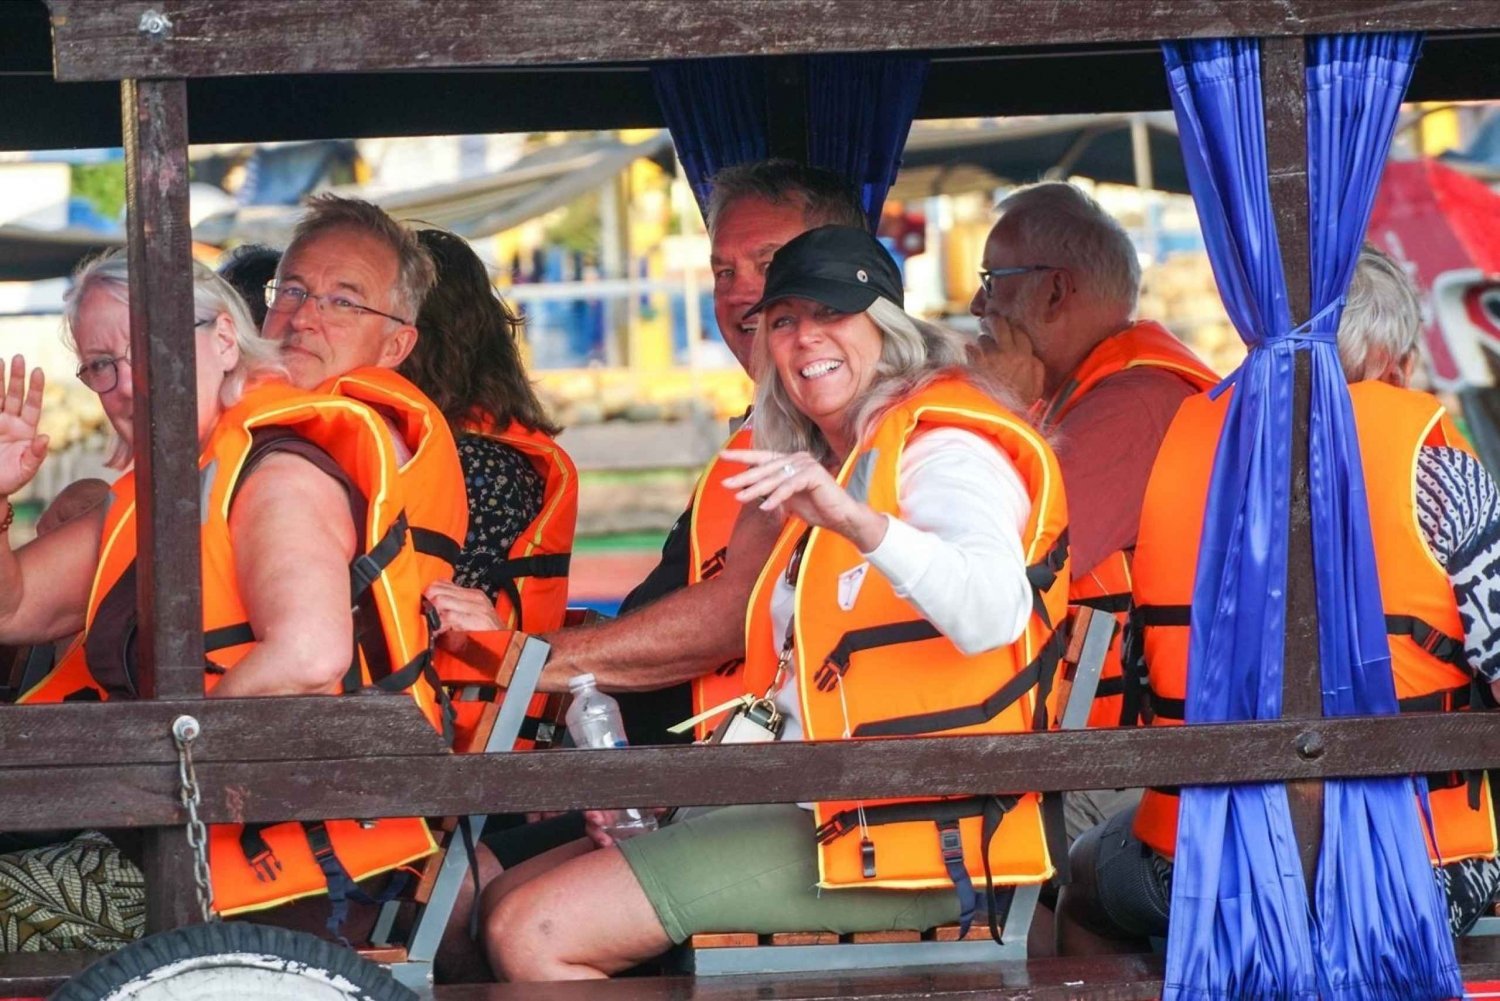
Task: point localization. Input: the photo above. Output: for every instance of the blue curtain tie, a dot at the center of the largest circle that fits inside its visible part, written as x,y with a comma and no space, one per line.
1306,335
1303,334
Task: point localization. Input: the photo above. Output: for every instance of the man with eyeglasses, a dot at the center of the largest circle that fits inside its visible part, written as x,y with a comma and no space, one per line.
1056,303
343,305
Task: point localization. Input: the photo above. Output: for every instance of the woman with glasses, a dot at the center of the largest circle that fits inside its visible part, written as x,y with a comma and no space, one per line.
295,487
913,590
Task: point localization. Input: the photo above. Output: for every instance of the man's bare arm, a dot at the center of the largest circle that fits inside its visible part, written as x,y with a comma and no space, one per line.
676,638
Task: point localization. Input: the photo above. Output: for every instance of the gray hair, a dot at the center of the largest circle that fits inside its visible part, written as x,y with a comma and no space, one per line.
1054,222
913,354
1382,318
415,272
212,295
827,199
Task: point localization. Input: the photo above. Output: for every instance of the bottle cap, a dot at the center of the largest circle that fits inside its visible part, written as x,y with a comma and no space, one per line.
579,682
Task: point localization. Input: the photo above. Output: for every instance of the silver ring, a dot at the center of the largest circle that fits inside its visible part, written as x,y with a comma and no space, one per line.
788,470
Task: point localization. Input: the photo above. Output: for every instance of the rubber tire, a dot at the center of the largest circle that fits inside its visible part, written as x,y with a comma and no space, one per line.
199,962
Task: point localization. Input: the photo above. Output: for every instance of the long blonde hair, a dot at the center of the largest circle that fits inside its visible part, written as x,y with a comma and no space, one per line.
913,354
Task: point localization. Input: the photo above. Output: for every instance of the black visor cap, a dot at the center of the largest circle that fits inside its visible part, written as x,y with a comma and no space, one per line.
842,267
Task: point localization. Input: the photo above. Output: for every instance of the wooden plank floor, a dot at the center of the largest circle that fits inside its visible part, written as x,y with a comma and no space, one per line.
1124,978
1115,978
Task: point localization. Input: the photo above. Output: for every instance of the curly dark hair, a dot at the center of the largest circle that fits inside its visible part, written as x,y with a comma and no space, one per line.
467,357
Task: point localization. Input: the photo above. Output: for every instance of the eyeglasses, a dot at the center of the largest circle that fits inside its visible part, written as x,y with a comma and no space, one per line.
987,276
289,299
102,374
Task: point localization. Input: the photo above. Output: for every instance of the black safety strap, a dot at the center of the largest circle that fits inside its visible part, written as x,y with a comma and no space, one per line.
1436,642
420,666
1109,687
341,886
1043,574
430,542
1039,673
1165,615
1111,603
1446,700
227,636
995,809
836,664
466,831
502,575
367,567
1133,672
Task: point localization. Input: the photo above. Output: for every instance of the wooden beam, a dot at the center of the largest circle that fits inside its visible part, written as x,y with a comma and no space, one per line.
169,637
93,41
370,785
232,730
169,643
1284,86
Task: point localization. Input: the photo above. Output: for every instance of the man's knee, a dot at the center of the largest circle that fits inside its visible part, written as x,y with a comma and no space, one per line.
1078,901
1120,888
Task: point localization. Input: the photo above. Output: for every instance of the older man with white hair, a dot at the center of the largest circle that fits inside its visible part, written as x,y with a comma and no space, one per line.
1056,306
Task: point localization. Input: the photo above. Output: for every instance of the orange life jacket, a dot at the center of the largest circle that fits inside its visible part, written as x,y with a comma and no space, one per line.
532,582
1106,585
1426,636
259,866
714,512
873,654
437,505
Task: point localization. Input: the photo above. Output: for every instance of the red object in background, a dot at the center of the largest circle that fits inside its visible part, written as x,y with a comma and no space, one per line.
906,230
1443,227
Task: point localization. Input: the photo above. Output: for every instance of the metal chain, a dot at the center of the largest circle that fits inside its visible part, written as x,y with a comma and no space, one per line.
185,730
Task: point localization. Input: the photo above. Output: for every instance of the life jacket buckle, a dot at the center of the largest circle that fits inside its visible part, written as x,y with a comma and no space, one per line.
950,840
265,865
867,857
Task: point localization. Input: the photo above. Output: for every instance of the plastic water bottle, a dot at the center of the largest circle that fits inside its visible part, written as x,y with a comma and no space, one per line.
594,721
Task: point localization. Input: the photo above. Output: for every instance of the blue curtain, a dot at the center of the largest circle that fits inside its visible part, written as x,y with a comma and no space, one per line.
860,109
1241,924
1383,923
716,112
859,112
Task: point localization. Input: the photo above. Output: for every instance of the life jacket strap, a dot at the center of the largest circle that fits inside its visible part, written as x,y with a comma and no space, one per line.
950,843
502,575
430,542
1111,603
1431,639
421,667
1165,615
1042,574
1038,673
366,568
341,886
836,664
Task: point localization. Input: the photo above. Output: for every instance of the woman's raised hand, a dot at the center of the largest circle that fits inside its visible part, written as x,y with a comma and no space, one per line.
21,448
796,484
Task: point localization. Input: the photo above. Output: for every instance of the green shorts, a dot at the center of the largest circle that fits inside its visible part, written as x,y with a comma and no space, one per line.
755,869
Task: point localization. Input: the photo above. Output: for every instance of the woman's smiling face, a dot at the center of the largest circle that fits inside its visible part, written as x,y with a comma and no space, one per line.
826,360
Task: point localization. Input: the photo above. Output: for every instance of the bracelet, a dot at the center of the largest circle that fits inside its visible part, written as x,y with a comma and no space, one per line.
10,516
